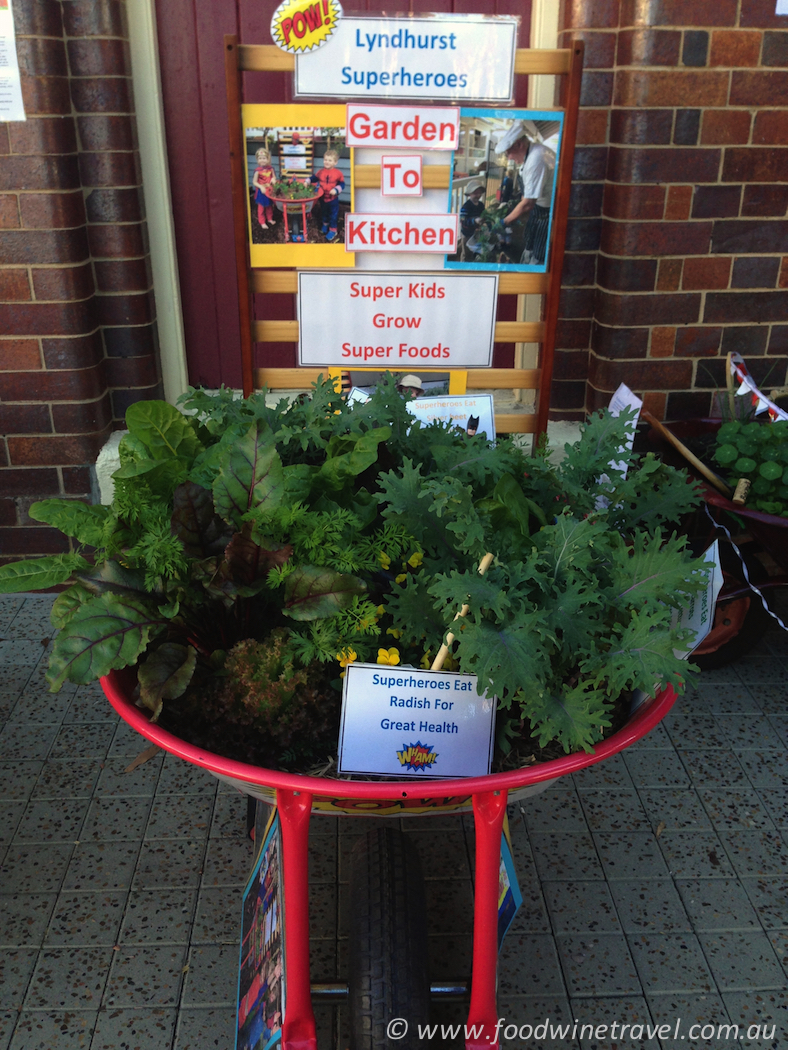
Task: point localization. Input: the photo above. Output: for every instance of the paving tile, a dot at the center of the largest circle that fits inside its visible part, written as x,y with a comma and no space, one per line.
780,725
694,730
714,768
602,1022
756,852
449,907
39,867
685,1013
16,969
170,863
528,964
581,906
21,651
765,769
45,1029
115,819
676,808
218,918
762,1017
566,856
554,811
229,816
71,778
24,918
741,960
615,811
597,964
89,704
37,704
531,916
227,862
8,1019
14,681
775,801
180,817
102,866
69,978
670,962
656,769
134,1028
543,1023
630,854
127,742
212,979
52,821
757,670
779,941
86,918
745,731
717,904
657,738
179,778
26,742
158,917
649,905
612,773
83,740
769,897
695,854
735,808
772,698
204,1029
730,698
148,975
114,779
449,955
444,855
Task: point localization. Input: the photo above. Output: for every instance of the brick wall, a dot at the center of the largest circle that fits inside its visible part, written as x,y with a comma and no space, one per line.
677,248
77,327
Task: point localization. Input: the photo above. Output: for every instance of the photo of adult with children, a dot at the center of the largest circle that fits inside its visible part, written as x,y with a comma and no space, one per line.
299,184
503,188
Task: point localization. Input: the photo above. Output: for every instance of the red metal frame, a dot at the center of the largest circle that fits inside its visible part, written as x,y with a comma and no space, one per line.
295,792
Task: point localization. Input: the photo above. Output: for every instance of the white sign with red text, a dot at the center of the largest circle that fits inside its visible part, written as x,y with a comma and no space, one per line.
395,232
400,175
403,127
396,320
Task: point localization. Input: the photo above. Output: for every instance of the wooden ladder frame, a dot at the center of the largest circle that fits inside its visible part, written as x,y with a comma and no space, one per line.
566,63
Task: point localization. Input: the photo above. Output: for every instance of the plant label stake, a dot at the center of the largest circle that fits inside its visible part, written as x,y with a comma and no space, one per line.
443,652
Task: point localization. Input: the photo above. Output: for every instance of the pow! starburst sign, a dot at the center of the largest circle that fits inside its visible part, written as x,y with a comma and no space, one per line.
304,25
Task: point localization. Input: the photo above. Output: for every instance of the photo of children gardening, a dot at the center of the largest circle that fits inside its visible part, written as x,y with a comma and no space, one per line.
299,184
502,187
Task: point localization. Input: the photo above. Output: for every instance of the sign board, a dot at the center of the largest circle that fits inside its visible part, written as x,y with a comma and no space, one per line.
403,127
509,894
396,320
471,414
436,57
395,232
261,974
399,721
698,615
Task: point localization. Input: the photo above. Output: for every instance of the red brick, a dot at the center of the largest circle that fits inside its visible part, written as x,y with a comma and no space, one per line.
712,202
43,135
84,351
39,173
669,374
755,164
102,95
131,371
124,309
626,275
724,126
735,48
641,127
83,417
42,482
25,419
669,276
41,57
663,340
733,307
775,49
19,355
107,131
658,308
9,211
592,125
46,95
4,146
43,451
765,201
47,318
701,274
79,385
767,88
96,57
648,47
670,88
753,271
697,342
573,335
679,200
590,163
570,365
43,246
108,169
771,128
600,48
122,398
45,211
14,286
655,239
76,480
683,405
33,540
115,205
735,237
678,13
663,165
133,275
73,282
619,343
654,403
578,14
582,235
782,280
39,18
761,14
94,18
634,202
118,241
7,512
567,401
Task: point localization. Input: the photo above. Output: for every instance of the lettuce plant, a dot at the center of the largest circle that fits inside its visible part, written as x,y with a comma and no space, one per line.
329,533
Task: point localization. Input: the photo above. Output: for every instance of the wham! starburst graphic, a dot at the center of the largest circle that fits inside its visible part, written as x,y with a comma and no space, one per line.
303,25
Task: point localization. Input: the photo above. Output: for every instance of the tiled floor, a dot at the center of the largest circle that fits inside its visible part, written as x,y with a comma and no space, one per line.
655,885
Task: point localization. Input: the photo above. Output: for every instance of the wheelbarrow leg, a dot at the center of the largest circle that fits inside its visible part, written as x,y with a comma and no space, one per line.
298,1030
489,808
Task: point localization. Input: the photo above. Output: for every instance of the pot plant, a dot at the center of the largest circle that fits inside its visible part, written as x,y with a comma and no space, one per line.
252,552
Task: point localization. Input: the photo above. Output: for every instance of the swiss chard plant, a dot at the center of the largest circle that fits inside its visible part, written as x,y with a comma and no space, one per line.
326,533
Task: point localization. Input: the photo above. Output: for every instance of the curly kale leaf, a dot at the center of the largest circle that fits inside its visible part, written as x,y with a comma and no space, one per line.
507,658
654,571
574,716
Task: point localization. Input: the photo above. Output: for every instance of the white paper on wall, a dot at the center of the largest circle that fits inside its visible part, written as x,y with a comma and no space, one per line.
11,104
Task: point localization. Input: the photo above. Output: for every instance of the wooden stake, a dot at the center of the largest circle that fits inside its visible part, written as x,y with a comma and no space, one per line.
709,475
443,652
731,391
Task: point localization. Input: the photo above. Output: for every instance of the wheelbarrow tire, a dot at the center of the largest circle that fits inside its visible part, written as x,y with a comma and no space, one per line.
388,974
746,613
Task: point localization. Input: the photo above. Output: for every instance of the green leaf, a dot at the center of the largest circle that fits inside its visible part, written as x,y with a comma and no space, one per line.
341,468
575,612
250,562
105,634
86,523
67,603
574,717
192,518
482,593
114,577
163,430
641,655
165,674
506,658
655,570
413,612
251,476
312,592
37,574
